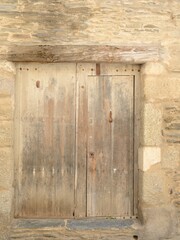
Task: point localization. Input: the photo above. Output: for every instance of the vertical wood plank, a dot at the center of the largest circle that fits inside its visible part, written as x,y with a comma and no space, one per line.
83,71
99,147
110,146
130,70
122,147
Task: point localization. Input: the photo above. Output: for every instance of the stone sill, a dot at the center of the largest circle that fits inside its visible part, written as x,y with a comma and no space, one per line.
75,224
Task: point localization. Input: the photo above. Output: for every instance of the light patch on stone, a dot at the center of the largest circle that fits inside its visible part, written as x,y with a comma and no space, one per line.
148,156
152,125
7,66
153,68
170,157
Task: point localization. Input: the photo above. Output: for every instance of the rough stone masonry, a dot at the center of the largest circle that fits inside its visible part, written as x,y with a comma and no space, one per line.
146,32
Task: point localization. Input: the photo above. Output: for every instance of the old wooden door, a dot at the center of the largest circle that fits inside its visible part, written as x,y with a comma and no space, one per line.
46,140
75,140
110,146
106,133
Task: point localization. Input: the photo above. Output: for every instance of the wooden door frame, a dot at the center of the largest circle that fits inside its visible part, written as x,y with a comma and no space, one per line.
92,54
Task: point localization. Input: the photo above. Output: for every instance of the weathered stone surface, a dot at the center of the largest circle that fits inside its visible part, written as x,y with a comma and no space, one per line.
171,123
174,53
6,169
6,108
7,67
148,156
65,234
170,157
5,203
95,22
153,68
99,224
75,224
5,213
161,87
6,86
151,125
127,31
6,133
163,219
153,188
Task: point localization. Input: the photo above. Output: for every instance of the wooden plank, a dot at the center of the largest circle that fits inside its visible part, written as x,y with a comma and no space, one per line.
83,53
130,70
26,185
122,146
83,70
137,118
48,140
99,147
117,69
18,165
110,146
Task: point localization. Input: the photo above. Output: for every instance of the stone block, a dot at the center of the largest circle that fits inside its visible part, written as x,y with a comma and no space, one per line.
160,223
5,212
151,126
174,53
6,133
6,167
171,123
173,83
153,188
170,157
8,67
161,87
6,108
154,69
5,202
6,86
148,156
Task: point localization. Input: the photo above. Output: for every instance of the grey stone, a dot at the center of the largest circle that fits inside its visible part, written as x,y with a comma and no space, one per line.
38,223
99,224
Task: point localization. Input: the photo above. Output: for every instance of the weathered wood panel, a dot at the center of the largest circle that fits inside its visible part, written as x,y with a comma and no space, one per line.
46,121
57,115
110,146
122,146
83,70
85,53
134,71
99,147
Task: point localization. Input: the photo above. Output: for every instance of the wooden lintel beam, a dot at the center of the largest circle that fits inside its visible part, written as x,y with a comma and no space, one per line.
75,53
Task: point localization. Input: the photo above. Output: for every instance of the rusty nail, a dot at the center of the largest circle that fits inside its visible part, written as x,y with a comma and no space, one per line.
91,154
98,70
38,84
135,237
110,117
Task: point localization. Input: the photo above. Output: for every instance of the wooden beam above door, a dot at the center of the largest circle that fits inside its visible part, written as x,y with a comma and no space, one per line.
85,53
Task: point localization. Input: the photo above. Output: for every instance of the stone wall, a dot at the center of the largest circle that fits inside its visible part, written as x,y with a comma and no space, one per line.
7,81
26,24
159,156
